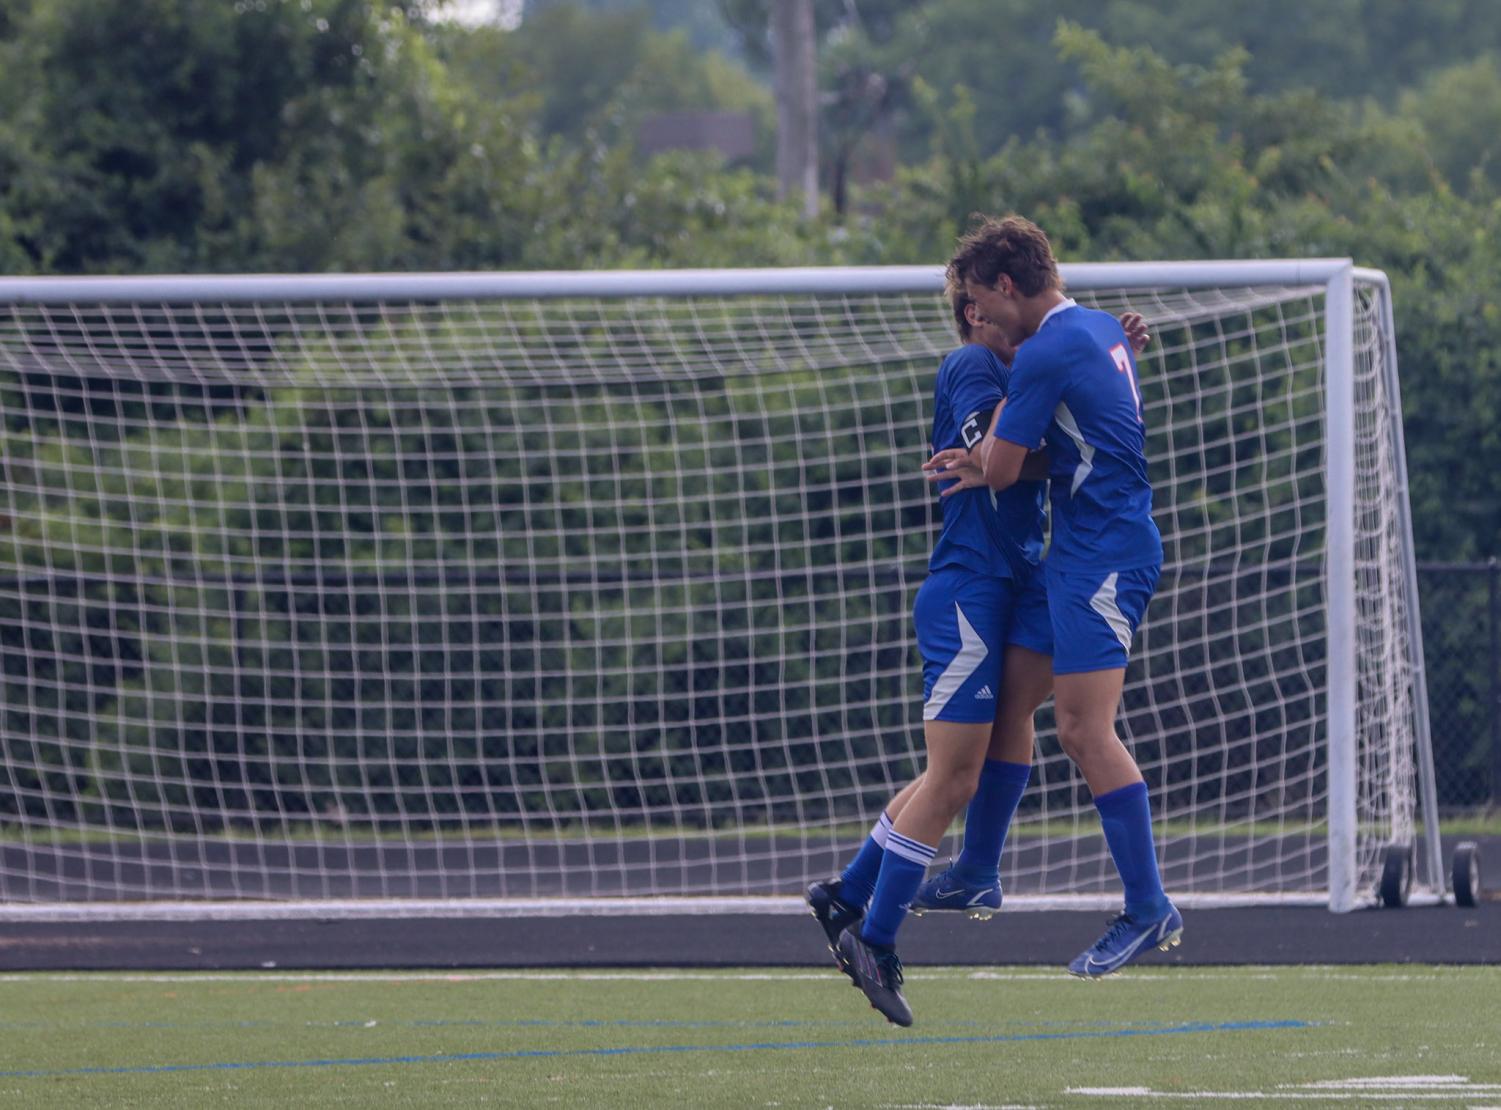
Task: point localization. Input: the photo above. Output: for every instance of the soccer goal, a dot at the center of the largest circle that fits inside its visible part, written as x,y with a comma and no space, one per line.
480,590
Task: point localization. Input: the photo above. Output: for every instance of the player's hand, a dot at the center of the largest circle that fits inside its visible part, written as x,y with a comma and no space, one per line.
956,465
950,458
1136,331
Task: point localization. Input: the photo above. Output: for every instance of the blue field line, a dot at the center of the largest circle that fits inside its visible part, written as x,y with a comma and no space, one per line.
610,1023
455,1023
649,1050
385,1024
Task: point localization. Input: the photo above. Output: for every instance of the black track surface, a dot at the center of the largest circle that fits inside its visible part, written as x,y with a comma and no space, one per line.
1283,935
1259,935
1286,935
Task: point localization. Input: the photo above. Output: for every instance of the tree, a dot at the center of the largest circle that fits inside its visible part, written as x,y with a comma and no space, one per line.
284,136
589,77
703,24
1186,161
797,93
858,43
1457,110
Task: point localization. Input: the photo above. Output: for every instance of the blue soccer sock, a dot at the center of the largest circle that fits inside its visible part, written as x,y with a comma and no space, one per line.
859,878
988,818
1127,817
902,872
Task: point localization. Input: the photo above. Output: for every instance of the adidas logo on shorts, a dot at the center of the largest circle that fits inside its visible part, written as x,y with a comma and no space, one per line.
984,694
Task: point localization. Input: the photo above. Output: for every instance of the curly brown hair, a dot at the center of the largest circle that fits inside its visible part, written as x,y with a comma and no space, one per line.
959,300
1014,246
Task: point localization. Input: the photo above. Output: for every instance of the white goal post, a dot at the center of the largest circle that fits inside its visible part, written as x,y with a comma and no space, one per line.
486,591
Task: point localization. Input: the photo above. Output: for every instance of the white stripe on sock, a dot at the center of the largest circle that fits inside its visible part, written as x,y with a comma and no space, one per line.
910,849
881,831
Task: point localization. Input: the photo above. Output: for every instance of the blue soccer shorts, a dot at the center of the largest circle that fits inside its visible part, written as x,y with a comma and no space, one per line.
961,622
1095,616
1031,623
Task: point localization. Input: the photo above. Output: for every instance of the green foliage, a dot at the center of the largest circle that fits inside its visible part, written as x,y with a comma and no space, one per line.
1337,48
875,56
591,76
1457,110
308,135
264,626
150,169
701,22
1186,162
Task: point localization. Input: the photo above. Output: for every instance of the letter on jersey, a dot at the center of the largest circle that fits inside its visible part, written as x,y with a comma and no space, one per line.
975,425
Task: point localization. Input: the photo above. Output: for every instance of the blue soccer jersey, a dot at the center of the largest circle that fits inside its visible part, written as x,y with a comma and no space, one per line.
998,534
1074,384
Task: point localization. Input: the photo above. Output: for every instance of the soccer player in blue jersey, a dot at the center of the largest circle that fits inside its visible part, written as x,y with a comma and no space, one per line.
962,611
978,718
1074,384
971,884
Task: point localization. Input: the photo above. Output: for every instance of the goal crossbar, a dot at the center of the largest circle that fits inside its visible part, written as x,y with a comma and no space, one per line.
555,284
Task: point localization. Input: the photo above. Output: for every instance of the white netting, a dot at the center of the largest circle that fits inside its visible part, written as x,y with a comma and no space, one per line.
510,598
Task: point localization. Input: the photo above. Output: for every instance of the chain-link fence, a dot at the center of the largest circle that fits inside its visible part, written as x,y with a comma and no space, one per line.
1462,655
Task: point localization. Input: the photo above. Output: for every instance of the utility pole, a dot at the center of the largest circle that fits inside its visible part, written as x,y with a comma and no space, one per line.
794,55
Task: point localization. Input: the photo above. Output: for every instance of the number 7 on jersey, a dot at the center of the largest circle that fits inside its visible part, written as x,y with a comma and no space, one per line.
1123,364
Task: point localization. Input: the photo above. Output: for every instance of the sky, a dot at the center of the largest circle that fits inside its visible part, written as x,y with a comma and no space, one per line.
471,12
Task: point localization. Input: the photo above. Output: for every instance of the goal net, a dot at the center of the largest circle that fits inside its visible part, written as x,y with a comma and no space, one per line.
460,587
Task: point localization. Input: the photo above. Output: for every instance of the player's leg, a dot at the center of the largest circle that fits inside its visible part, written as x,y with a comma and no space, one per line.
840,902
955,752
960,617
972,885
1085,709
1094,619
858,879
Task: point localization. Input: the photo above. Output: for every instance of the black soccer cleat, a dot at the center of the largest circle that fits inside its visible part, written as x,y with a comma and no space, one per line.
877,972
833,913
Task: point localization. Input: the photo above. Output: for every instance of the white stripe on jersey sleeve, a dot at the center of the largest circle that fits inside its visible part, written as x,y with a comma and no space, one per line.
1067,422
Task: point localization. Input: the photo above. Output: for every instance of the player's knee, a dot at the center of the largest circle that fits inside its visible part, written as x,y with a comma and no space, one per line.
1078,737
1070,744
1014,728
953,788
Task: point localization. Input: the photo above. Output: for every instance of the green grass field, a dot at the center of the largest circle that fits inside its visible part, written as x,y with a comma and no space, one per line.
983,1038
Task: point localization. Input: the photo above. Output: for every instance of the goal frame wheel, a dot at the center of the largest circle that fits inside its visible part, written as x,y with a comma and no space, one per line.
1396,876
1465,873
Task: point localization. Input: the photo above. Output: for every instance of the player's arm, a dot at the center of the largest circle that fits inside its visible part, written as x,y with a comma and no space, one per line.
1017,431
975,391
960,465
1003,462
967,464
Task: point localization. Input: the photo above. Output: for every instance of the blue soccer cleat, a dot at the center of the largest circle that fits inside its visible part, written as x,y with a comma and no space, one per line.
948,893
1126,939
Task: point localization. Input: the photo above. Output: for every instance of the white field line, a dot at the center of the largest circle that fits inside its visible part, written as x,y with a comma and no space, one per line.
1148,977
1141,1093
1404,1088
1423,1081
958,1106
423,977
